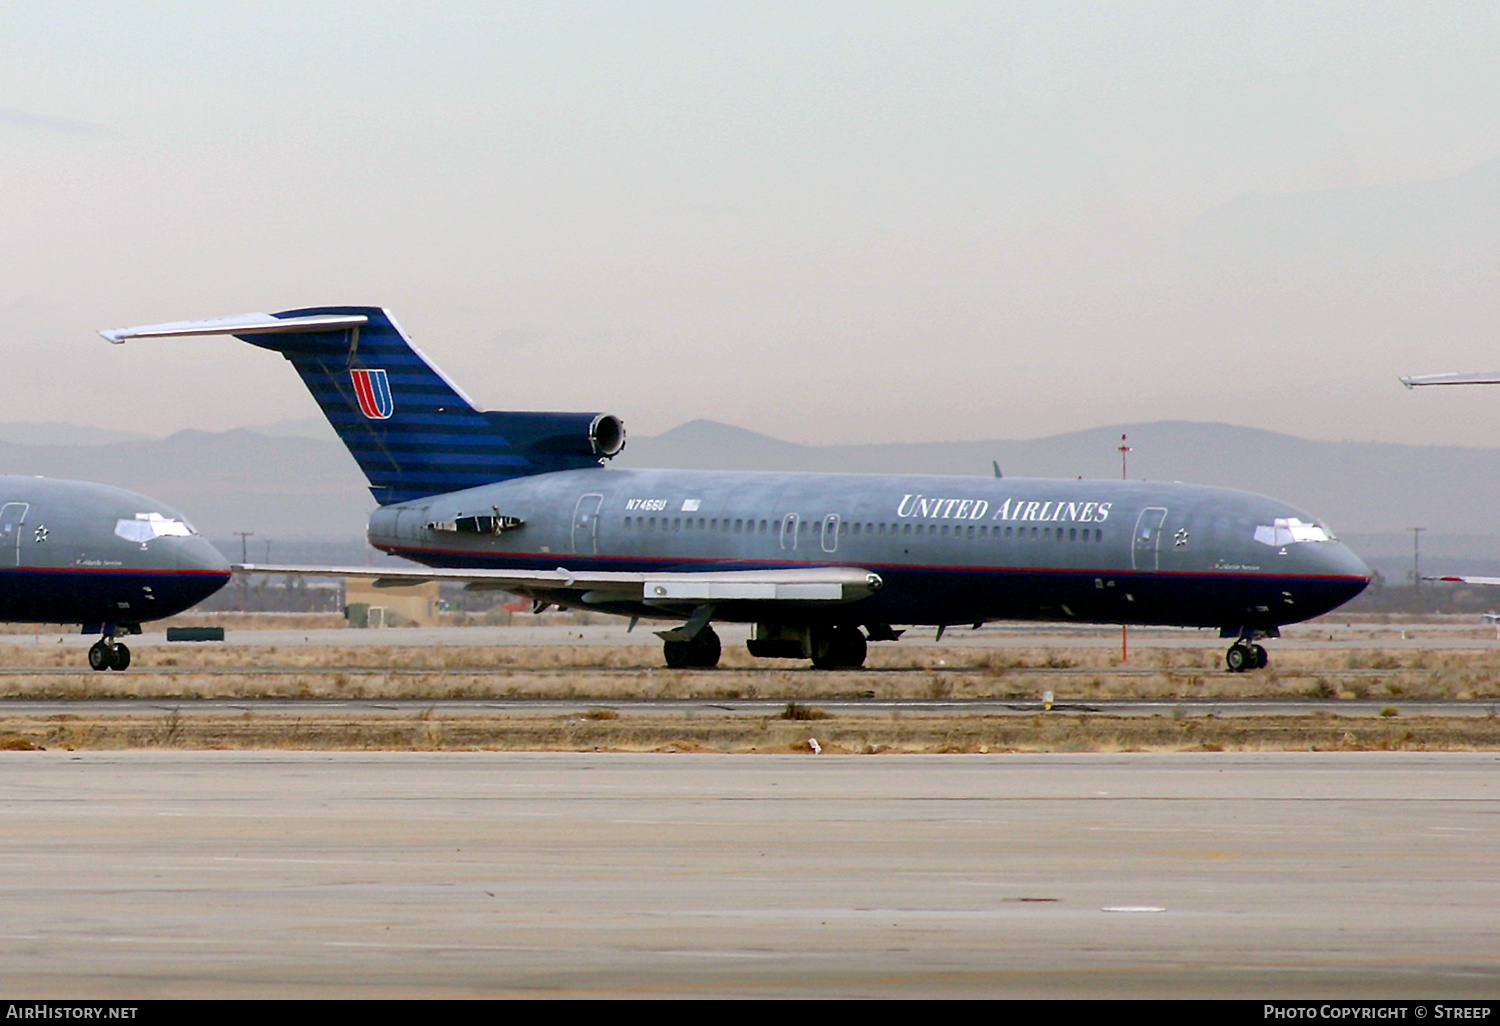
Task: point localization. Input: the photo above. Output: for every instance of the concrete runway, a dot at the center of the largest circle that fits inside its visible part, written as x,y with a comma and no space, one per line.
217,874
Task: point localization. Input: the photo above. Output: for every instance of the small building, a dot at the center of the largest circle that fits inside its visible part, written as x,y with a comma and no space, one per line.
403,606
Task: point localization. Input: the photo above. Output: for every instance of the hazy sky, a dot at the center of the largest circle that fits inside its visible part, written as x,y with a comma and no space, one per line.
833,221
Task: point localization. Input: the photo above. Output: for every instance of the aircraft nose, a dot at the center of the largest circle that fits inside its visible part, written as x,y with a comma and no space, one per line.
198,555
1342,562
1343,575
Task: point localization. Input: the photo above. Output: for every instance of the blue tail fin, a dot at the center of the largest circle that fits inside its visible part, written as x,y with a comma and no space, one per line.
412,432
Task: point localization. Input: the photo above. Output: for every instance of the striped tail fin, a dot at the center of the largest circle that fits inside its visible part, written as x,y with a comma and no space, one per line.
412,431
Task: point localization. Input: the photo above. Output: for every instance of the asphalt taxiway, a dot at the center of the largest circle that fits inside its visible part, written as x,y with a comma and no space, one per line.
173,874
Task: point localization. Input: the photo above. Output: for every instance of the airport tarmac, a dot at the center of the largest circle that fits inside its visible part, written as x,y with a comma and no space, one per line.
151,874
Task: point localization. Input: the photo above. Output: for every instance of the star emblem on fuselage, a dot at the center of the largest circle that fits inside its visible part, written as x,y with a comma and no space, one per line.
41,533
1180,539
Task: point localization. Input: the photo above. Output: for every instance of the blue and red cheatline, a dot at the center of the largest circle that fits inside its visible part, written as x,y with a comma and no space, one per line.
374,393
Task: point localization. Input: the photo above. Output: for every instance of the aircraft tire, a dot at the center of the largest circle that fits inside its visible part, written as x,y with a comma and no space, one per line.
838,648
120,658
1239,658
705,649
1261,659
677,654
701,653
99,656
855,648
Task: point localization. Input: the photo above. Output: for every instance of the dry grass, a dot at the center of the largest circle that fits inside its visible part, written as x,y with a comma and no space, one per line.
744,734
597,675
610,673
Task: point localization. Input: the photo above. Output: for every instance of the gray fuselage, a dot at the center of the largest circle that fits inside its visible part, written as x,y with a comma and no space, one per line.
950,550
77,552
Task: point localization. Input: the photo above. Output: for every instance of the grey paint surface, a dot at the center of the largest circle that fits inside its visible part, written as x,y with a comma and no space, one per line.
1118,539
371,875
75,551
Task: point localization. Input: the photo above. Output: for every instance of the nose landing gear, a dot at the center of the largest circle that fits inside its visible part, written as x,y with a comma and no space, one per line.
1244,656
107,653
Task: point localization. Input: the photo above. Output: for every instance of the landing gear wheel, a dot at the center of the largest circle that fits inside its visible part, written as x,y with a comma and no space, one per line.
1244,656
120,659
676,654
701,653
837,648
704,650
99,657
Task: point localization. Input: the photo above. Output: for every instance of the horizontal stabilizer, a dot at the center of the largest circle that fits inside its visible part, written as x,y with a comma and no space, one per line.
244,324
1492,581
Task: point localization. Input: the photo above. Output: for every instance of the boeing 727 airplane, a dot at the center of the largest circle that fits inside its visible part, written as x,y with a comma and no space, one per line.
75,552
820,564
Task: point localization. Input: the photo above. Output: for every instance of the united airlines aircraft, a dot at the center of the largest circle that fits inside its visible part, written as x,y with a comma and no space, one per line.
77,552
820,564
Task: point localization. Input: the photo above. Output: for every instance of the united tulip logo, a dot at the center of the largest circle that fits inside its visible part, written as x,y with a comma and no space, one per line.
373,390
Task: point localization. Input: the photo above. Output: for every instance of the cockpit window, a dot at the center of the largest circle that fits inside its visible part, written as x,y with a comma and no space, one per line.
1289,530
147,526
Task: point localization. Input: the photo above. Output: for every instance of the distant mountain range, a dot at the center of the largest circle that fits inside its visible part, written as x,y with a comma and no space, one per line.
292,482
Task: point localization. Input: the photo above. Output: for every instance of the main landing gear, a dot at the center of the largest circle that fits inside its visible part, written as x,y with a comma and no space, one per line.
829,646
836,648
695,646
700,652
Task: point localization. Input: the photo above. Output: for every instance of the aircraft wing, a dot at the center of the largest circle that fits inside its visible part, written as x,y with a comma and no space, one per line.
1453,379
1465,580
828,584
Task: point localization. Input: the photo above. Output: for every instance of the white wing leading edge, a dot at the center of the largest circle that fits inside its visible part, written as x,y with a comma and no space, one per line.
1492,378
1493,581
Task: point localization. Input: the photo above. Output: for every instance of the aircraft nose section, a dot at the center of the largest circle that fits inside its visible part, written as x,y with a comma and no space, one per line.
195,554
1345,574
1340,561
200,570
